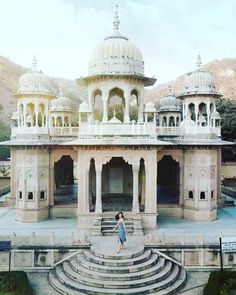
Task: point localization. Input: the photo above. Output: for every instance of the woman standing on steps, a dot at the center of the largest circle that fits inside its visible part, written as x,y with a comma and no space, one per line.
121,230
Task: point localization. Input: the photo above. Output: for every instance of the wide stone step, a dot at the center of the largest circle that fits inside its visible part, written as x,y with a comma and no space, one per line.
114,262
150,288
102,252
118,284
176,286
81,260
143,273
108,232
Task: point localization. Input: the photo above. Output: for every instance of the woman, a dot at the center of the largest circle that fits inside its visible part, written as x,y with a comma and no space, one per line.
121,229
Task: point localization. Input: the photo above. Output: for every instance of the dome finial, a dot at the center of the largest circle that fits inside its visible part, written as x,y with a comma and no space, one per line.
116,21
199,60
170,90
34,63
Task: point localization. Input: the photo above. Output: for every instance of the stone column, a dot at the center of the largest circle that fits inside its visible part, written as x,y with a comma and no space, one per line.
98,205
135,207
51,179
208,114
126,114
151,182
181,183
105,107
83,183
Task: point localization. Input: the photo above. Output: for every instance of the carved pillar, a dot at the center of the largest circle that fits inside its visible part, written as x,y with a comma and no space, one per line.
126,114
83,183
98,205
13,179
181,182
135,207
151,182
51,179
105,107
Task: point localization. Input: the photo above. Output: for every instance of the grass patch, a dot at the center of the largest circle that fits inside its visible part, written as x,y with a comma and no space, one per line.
15,283
221,283
4,183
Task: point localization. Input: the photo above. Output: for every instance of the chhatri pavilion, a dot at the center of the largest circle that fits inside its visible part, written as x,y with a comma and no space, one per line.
93,161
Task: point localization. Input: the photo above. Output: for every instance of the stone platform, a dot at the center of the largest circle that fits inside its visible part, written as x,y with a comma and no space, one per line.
100,270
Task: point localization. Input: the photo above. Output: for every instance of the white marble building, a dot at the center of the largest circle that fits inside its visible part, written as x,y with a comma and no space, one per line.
165,159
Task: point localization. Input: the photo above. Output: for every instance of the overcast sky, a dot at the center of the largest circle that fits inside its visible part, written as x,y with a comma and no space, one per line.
170,33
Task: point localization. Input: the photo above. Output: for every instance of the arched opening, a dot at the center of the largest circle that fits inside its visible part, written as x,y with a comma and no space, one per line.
92,186
202,119
177,121
164,121
66,191
142,185
134,105
117,185
116,101
41,116
171,121
168,181
30,114
97,105
59,122
191,111
66,122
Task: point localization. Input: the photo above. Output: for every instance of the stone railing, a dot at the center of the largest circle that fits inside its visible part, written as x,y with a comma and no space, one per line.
44,240
186,239
117,129
64,131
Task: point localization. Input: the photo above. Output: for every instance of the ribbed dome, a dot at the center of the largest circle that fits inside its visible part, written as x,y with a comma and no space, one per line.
170,103
61,104
199,82
150,108
116,55
84,107
34,81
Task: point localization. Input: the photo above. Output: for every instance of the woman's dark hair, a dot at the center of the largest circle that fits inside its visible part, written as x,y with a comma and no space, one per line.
117,215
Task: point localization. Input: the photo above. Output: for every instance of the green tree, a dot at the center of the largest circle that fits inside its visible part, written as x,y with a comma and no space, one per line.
4,136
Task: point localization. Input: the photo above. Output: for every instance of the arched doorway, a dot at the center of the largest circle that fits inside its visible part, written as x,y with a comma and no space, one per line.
117,185
168,181
66,191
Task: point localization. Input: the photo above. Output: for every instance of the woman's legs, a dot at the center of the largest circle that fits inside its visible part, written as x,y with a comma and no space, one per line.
120,245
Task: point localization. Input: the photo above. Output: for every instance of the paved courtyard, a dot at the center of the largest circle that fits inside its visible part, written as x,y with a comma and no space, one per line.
225,223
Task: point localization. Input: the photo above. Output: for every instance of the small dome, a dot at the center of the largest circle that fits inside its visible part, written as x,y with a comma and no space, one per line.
15,116
34,81
170,103
61,104
114,120
199,81
216,116
116,55
150,108
84,107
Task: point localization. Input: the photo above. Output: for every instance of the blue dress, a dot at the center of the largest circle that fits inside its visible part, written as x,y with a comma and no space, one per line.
121,230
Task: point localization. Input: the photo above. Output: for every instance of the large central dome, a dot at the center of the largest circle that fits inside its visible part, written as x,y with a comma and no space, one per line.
116,56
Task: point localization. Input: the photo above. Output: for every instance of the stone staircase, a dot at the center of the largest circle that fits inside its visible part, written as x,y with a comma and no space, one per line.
102,271
104,226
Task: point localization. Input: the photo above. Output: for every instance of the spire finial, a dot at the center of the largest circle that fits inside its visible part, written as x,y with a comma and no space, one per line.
169,90
116,21
60,91
114,112
34,63
199,60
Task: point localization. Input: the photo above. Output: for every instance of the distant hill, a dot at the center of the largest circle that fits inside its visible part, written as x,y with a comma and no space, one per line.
223,71
224,74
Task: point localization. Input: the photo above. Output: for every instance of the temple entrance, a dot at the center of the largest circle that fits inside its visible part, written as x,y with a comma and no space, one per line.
168,181
66,190
117,185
